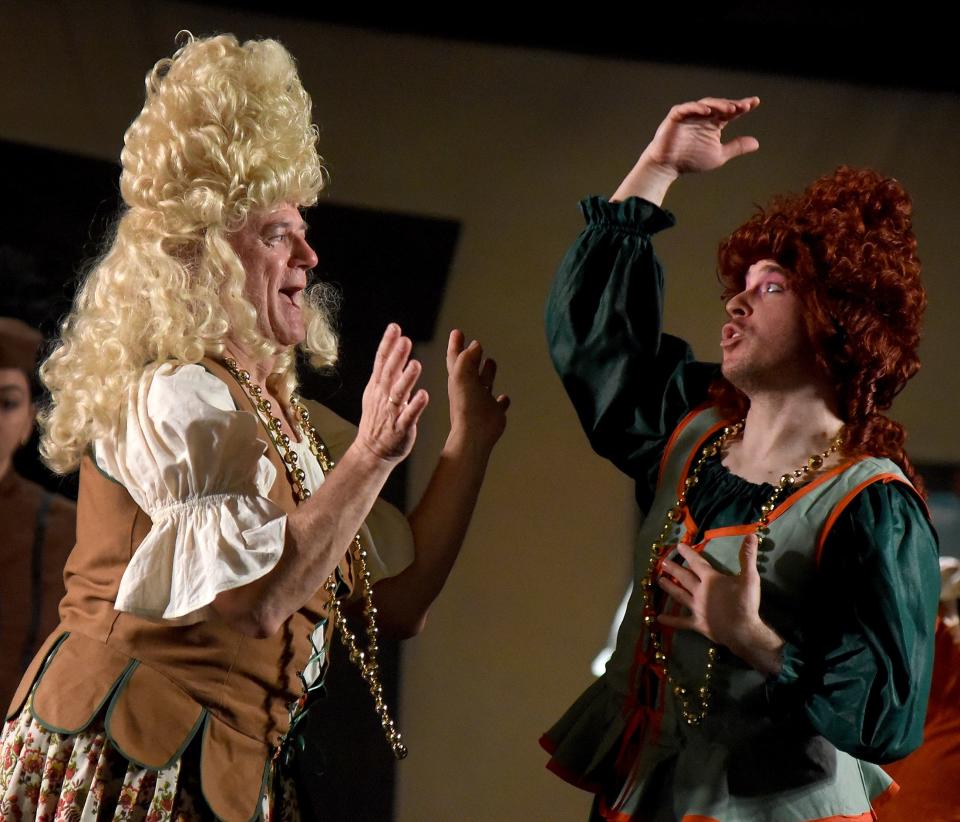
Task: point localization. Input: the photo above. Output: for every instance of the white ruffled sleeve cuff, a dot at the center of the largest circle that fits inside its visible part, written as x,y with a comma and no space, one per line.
197,549
198,467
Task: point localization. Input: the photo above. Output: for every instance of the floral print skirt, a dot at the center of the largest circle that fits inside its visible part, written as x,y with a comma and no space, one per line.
52,777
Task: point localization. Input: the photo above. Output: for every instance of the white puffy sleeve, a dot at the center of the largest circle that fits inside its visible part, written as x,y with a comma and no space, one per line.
196,466
386,533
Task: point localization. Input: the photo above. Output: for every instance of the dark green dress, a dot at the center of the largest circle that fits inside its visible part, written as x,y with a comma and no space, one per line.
857,667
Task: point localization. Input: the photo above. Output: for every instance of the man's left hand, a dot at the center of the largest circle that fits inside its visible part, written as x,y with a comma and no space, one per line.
477,413
724,607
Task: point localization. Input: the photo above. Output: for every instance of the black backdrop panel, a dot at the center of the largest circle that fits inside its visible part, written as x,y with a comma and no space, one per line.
388,267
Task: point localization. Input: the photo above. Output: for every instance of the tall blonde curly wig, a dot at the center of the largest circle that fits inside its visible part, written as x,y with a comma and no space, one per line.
225,131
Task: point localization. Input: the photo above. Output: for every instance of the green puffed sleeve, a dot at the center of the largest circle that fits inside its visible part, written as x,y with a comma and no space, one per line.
863,664
630,383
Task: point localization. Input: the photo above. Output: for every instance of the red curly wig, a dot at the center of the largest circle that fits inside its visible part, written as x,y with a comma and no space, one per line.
849,248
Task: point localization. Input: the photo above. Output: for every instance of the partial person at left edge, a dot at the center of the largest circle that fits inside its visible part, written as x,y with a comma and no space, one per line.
38,526
217,552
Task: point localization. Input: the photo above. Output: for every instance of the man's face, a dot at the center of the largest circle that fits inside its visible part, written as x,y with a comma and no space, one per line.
16,411
276,256
765,343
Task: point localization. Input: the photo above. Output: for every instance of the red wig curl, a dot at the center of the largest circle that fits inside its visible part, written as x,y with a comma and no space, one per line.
851,254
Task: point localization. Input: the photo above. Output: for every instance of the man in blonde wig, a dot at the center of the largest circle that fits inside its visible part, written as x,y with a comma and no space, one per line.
214,544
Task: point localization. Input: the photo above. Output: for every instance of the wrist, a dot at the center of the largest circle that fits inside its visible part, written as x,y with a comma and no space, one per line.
648,179
361,457
461,443
759,646
650,166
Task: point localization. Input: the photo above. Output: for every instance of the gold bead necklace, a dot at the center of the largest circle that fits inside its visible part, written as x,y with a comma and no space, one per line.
364,659
695,702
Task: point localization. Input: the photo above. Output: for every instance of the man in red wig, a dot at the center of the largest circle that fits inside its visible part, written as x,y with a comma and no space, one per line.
779,638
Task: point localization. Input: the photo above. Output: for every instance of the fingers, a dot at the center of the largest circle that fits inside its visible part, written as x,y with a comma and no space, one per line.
411,412
472,354
454,348
394,373
748,556
720,108
738,146
462,358
696,563
488,373
685,576
747,104
391,357
471,381
682,593
676,592
396,361
694,108
729,109
387,342
404,384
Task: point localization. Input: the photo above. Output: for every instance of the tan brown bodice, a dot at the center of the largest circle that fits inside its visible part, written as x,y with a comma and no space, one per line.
157,684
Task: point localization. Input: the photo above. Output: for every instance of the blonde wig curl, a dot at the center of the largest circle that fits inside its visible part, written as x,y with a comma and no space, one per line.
225,131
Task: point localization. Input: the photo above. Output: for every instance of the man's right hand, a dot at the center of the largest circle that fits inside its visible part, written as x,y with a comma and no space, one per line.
688,140
388,424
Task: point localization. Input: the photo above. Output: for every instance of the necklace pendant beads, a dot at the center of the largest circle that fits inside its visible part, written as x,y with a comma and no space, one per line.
365,659
694,702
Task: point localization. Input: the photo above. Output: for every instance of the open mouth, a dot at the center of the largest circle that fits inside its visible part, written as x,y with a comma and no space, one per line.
292,294
730,334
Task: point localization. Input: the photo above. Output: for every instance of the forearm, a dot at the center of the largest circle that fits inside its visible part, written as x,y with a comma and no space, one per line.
318,534
647,179
439,524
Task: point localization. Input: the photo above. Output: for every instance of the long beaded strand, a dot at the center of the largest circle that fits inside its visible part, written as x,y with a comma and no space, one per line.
695,702
365,660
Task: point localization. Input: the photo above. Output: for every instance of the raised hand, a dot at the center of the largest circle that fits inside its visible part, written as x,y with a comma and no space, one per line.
388,424
439,522
476,413
688,140
725,608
